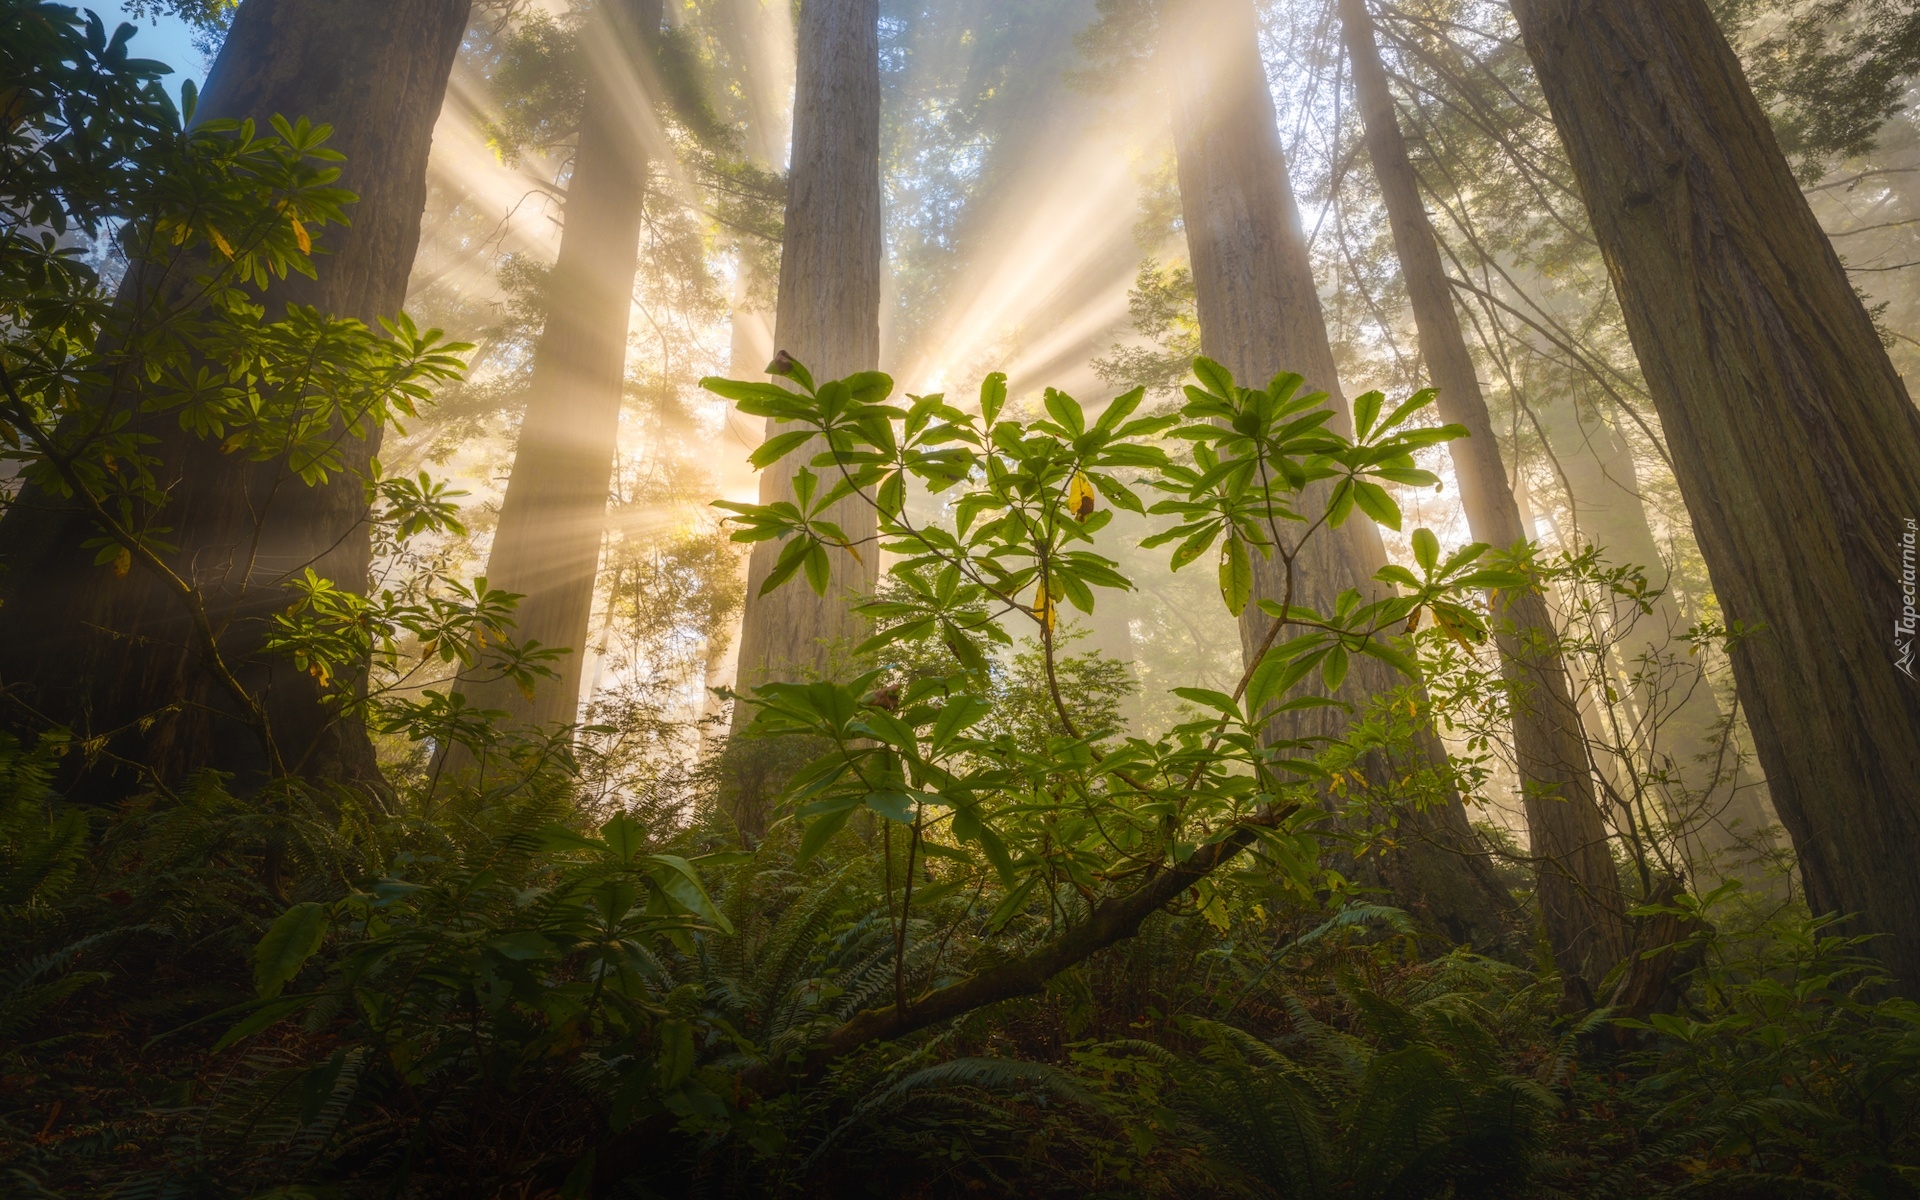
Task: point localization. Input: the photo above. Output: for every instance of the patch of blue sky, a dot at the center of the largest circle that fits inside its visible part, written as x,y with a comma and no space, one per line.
167,39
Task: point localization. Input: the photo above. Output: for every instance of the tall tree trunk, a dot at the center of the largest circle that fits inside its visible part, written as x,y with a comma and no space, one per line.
1579,891
554,517
1794,441
827,317
752,31
1680,733
112,657
1260,314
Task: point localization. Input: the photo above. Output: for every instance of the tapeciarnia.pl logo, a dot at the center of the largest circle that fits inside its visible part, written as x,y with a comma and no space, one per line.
1903,629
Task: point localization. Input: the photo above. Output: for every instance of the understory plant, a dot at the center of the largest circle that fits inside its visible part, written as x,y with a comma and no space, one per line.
997,942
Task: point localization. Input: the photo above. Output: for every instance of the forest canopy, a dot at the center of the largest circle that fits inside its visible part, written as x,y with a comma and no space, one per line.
1135,598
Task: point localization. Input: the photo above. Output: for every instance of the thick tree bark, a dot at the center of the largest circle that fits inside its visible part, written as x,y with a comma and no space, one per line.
1260,314
828,318
113,658
1579,891
553,519
1794,441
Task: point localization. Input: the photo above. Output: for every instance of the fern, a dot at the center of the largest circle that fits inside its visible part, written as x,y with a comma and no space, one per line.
41,847
43,982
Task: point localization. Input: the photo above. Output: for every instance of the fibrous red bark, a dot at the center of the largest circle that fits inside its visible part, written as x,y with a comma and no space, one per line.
827,318
1260,314
114,657
553,518
1793,439
1579,892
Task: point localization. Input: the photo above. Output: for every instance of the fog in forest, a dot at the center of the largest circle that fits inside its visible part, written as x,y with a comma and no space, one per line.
962,597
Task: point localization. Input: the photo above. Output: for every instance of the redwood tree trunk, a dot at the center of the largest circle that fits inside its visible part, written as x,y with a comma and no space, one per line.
1579,891
1718,803
113,657
1794,441
827,317
1260,314
553,519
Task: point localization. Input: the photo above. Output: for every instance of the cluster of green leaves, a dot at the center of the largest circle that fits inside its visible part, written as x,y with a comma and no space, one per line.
1078,818
1411,1095
475,994
530,939
105,387
1831,72
1795,1057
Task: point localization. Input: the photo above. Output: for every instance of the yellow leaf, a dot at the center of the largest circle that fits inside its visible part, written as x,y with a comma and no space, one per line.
318,672
1453,631
123,562
1043,606
1081,497
220,241
526,690
233,443
300,237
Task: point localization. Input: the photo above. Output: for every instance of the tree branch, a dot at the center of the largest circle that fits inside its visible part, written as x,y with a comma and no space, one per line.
1112,921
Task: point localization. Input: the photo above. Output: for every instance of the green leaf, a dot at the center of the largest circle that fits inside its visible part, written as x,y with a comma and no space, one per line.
819,569
288,944
1411,405
962,647
1374,501
1426,549
993,396
894,806
1236,574
1065,410
1210,699
673,1055
271,1013
681,882
1282,386
996,851
1010,907
1366,409
556,839
521,946
792,368
1120,409
819,832
927,896
869,387
1392,656
791,556
937,850
961,713
1333,668
1216,378
1340,504
1195,545
738,390
1117,493
624,836
1269,678
778,447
